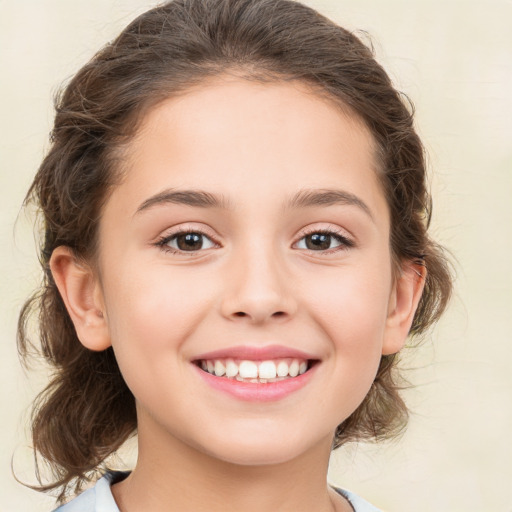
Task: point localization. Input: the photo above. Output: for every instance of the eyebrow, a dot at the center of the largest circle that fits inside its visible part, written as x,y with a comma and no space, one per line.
303,199
327,197
197,198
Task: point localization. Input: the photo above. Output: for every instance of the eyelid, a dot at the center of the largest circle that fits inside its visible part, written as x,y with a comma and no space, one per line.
346,240
167,236
326,228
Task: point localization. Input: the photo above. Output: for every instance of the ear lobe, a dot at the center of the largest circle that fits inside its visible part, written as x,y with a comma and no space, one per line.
403,303
82,296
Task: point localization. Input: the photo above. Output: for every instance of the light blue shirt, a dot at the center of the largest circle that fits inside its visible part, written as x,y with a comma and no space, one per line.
99,498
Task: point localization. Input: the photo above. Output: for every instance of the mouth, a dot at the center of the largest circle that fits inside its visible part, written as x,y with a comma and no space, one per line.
256,371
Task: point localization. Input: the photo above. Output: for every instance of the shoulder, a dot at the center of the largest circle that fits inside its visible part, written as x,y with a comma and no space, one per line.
98,498
358,503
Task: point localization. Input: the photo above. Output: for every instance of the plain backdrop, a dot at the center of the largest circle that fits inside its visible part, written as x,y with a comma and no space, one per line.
454,59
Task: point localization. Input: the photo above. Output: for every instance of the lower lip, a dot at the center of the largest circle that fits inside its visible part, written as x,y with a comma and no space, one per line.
256,391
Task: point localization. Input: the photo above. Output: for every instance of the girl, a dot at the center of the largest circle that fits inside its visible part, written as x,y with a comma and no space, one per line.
235,250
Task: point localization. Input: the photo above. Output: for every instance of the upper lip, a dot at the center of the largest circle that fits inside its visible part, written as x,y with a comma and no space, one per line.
255,353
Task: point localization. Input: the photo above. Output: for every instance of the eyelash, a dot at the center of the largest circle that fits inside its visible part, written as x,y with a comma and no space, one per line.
164,241
345,243
337,234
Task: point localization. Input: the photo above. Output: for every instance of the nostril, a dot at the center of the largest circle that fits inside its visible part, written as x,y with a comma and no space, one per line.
277,313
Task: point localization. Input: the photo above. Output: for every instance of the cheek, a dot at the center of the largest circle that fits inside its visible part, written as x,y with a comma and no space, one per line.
352,310
153,299
352,305
151,312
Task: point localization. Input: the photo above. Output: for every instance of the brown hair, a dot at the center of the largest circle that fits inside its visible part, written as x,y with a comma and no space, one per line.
87,412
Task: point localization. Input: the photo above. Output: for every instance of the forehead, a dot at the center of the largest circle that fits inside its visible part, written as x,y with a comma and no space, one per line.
233,136
242,108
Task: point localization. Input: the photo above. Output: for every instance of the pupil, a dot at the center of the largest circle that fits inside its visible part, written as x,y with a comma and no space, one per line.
318,241
190,241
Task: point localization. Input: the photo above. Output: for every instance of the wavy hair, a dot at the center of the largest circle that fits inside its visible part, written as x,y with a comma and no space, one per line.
87,412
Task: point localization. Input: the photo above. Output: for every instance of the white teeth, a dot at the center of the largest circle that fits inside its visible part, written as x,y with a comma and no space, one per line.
220,369
267,370
282,369
248,370
231,368
294,368
255,371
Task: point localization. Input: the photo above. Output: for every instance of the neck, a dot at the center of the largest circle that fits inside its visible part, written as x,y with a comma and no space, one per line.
174,476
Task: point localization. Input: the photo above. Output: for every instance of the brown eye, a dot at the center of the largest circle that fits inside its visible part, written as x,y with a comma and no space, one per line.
318,241
324,241
188,242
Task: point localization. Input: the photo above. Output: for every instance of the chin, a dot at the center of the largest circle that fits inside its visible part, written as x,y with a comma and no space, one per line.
249,456
263,449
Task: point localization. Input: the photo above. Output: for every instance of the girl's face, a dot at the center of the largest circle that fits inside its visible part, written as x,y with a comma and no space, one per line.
250,226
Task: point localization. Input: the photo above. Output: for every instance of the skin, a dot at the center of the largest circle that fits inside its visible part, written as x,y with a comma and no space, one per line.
254,283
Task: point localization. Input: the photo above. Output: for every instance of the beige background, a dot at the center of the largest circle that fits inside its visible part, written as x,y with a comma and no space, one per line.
454,58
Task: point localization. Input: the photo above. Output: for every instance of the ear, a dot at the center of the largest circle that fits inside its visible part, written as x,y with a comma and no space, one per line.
81,292
403,303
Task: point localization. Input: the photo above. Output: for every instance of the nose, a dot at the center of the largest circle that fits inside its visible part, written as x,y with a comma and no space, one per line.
258,288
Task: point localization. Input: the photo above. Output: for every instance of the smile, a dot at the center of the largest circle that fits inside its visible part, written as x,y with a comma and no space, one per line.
267,371
256,373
